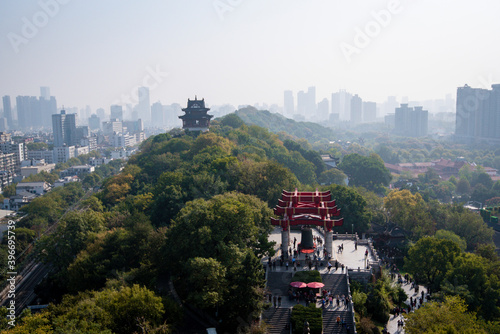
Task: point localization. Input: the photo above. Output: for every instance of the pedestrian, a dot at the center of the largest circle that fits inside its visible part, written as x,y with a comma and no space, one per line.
366,253
329,266
294,241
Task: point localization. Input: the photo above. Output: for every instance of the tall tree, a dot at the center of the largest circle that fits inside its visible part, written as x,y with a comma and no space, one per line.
429,259
368,172
410,212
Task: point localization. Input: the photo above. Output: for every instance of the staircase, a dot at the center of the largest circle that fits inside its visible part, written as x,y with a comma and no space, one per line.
330,321
277,319
337,284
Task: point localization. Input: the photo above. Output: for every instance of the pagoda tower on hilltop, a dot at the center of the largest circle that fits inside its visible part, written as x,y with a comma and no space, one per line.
196,117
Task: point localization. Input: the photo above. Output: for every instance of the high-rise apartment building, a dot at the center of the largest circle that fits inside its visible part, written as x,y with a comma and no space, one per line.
341,104
477,114
64,129
323,110
7,111
116,112
411,122
157,114
356,110
306,102
289,105
311,101
45,93
33,112
94,122
18,149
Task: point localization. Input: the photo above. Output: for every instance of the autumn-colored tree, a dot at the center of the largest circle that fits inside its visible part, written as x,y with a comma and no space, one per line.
410,212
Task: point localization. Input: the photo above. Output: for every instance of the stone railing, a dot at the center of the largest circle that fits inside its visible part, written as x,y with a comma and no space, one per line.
351,304
345,236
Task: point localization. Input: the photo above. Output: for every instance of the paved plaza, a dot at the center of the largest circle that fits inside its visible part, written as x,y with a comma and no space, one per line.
351,257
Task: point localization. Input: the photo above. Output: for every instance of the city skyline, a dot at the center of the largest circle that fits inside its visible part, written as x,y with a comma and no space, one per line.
242,52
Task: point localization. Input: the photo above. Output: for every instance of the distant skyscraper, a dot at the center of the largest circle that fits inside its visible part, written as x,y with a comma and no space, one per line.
341,104
48,107
390,105
369,112
7,111
411,122
356,109
45,93
288,106
116,112
301,103
25,114
478,113
157,117
101,113
306,103
311,101
64,129
323,110
94,122
144,106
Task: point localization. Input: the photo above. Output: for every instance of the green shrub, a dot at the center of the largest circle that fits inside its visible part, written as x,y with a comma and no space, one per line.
313,315
307,276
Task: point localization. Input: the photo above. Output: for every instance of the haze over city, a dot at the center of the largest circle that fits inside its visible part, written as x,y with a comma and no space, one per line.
244,52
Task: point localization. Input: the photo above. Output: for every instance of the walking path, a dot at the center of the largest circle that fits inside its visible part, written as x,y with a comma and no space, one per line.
392,325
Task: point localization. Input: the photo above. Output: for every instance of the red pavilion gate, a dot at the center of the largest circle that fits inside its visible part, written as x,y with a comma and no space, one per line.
308,209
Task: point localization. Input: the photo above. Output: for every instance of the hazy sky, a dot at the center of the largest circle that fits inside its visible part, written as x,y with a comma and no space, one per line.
245,51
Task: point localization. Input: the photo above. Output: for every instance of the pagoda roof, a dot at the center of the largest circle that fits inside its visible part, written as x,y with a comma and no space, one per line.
198,105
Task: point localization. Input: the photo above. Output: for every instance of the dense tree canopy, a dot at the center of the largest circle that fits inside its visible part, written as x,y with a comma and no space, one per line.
409,211
368,172
429,260
450,316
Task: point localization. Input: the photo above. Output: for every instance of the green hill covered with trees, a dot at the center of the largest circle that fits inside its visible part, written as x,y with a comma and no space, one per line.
276,123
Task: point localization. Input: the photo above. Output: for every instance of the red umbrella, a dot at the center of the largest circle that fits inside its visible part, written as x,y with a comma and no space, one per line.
298,284
315,285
